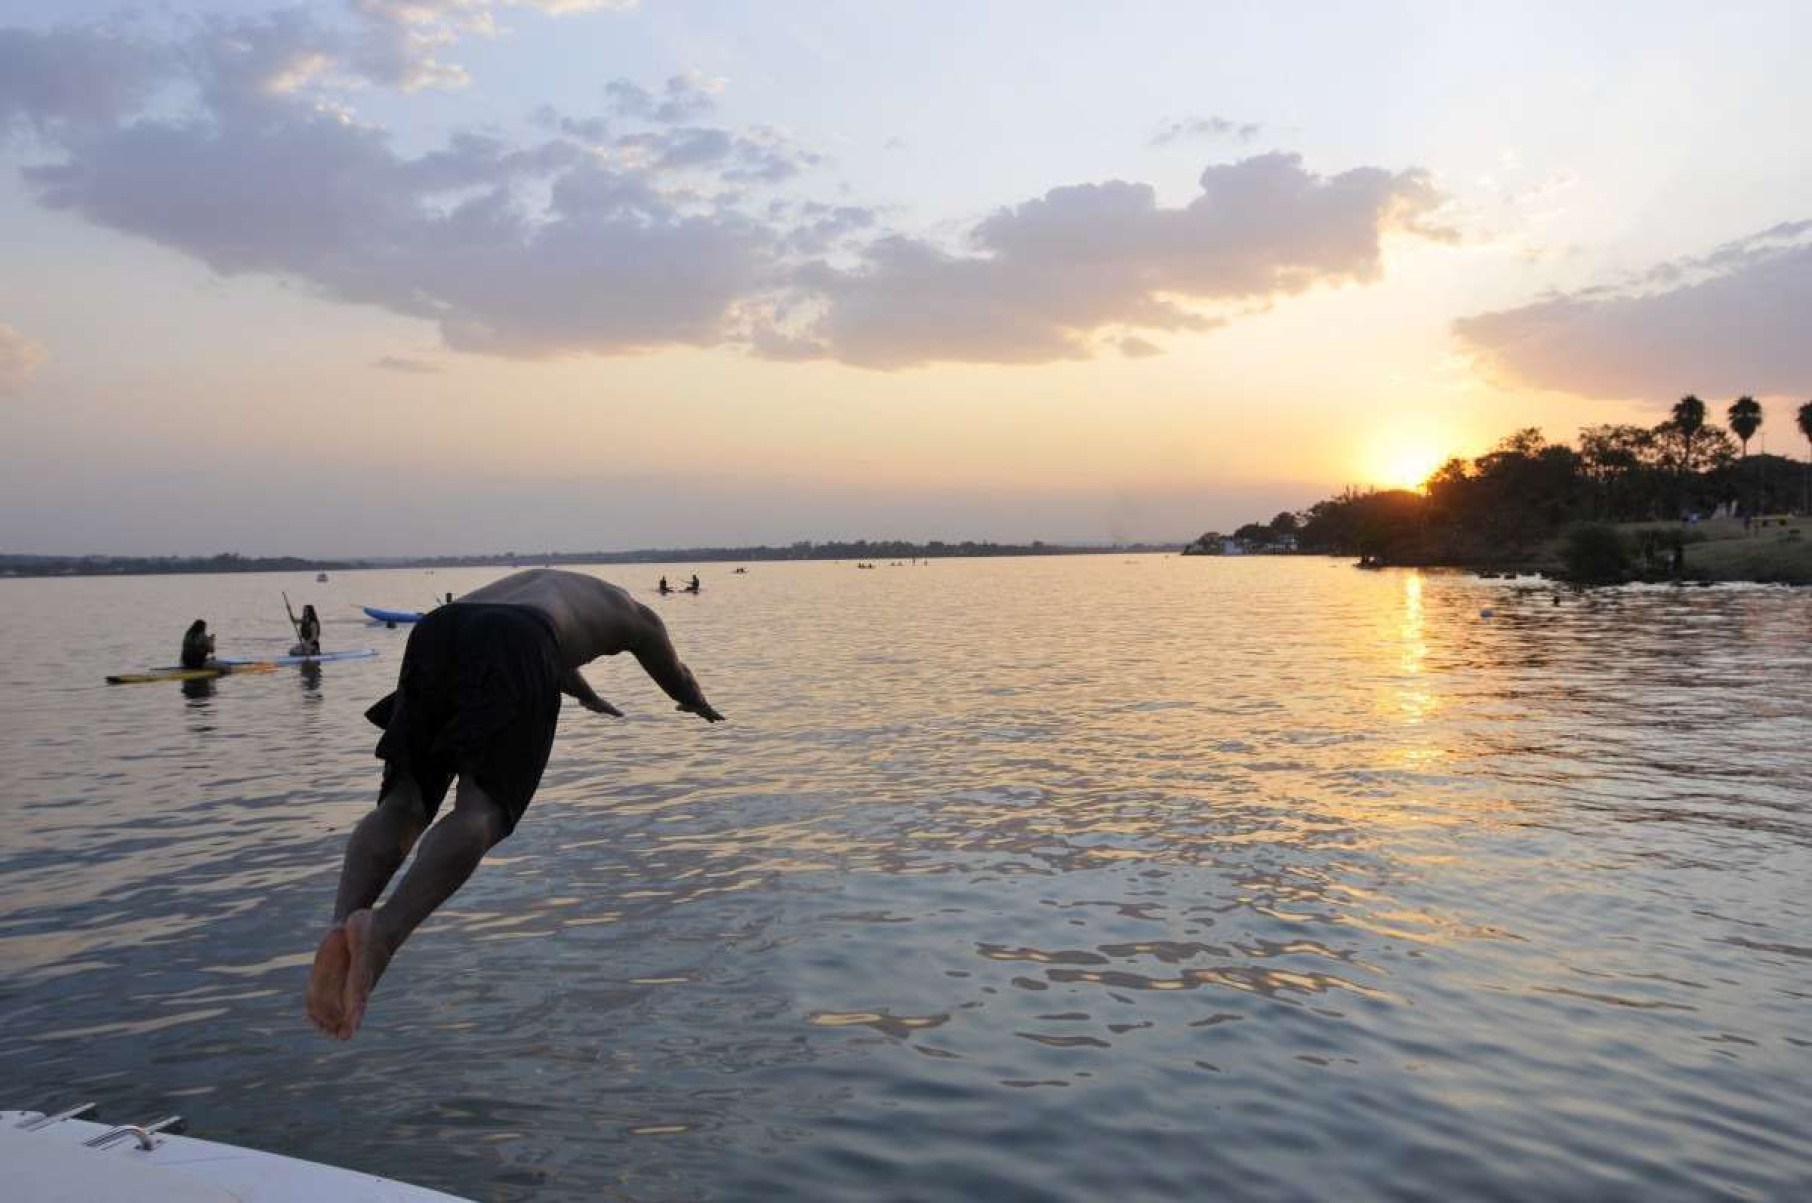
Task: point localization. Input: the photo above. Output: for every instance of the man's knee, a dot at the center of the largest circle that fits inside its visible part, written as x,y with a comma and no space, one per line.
483,813
495,822
402,808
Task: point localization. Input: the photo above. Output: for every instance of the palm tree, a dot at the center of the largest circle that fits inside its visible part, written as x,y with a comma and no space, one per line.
1688,421
1745,420
1805,428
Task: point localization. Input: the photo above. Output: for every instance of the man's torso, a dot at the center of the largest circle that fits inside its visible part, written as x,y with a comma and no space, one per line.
590,617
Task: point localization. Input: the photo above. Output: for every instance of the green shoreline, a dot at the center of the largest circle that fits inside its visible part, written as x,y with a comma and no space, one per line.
1718,550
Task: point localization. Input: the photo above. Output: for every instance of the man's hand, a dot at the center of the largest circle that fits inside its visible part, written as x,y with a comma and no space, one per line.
574,686
703,709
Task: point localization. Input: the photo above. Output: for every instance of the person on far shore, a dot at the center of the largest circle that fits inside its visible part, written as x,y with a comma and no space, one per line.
197,646
477,699
308,634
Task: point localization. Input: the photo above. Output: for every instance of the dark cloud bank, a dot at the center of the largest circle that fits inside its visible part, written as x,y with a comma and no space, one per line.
643,225
1734,321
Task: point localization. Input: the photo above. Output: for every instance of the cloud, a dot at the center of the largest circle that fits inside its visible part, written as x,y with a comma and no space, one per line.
401,39
19,358
819,229
762,156
1729,322
512,248
1043,278
609,264
406,366
679,149
685,98
1134,347
77,76
645,227
1179,129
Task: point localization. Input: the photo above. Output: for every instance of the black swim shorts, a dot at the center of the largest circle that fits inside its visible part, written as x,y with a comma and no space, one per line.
479,693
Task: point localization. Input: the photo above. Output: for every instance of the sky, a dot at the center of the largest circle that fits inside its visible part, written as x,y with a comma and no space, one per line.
401,277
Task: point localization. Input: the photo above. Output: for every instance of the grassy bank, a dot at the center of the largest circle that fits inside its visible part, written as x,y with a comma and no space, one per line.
1720,550
1776,554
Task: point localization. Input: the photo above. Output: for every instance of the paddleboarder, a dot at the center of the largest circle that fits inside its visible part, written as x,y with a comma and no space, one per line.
308,633
197,646
307,627
477,699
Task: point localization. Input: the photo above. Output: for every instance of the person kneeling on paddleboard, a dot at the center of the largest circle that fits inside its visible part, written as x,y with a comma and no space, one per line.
197,645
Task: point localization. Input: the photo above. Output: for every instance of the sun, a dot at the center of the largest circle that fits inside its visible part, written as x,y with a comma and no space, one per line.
1403,465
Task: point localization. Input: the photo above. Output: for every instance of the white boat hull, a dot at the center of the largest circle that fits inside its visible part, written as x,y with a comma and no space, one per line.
53,1164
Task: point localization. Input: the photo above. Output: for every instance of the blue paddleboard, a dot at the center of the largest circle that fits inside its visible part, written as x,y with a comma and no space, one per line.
382,615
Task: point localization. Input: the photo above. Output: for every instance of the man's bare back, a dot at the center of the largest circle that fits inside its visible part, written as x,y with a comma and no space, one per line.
593,618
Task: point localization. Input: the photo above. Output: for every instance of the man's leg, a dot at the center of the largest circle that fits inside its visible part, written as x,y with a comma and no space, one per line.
379,845
447,855
376,850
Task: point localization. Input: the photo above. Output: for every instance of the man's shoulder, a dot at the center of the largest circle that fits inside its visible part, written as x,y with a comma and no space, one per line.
563,577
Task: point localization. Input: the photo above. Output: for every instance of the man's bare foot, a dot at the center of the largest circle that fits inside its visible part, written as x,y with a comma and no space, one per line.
368,956
327,981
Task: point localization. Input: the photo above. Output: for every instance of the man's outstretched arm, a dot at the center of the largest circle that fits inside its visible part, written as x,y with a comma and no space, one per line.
575,686
654,651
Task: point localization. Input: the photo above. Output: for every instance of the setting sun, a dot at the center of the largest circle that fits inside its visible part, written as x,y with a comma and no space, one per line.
1402,465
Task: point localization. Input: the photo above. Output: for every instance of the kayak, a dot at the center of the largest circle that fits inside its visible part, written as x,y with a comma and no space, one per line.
382,615
62,1158
235,664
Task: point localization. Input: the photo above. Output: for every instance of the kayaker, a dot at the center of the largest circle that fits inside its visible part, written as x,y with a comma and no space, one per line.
477,698
197,645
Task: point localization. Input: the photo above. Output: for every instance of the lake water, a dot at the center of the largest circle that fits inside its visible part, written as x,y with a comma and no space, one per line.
1068,879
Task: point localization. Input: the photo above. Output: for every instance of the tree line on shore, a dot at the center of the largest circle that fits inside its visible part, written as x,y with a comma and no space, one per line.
857,549
1527,490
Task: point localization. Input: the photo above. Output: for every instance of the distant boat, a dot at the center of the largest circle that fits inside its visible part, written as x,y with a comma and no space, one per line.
320,578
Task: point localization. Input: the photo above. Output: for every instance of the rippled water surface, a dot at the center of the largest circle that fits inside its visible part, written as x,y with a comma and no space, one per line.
1070,879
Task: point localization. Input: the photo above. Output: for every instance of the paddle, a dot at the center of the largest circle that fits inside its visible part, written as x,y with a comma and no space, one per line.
293,620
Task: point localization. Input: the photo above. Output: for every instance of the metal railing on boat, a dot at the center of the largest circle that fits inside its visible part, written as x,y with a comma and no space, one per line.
145,1134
